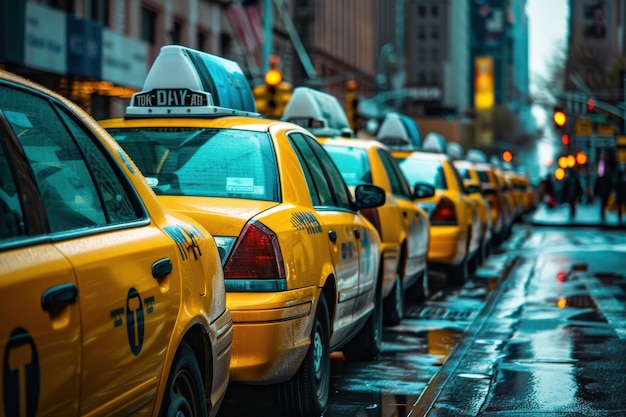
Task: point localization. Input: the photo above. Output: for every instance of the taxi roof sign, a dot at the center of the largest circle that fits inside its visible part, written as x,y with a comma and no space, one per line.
186,82
434,142
399,132
318,112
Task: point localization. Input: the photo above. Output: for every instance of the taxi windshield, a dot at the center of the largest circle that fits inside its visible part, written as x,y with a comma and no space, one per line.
203,162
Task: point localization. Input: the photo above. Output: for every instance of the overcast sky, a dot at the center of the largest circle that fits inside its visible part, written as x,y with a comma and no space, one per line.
547,22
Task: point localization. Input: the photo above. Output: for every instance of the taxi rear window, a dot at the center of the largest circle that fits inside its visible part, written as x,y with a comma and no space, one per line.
425,170
352,163
203,162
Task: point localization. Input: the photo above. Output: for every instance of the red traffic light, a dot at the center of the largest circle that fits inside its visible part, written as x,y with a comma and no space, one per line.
565,139
591,104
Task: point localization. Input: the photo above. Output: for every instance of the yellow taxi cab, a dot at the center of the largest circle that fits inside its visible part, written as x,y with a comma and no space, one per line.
510,177
300,262
454,242
471,181
110,304
510,196
498,204
403,227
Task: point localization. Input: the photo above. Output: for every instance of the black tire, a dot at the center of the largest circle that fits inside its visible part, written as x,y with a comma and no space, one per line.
184,393
306,393
393,304
368,342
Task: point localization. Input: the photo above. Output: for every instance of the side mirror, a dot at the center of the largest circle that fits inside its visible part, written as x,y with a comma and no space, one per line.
423,190
473,189
368,196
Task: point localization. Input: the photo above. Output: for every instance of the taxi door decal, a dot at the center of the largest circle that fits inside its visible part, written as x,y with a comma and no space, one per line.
303,220
135,325
180,234
20,375
134,321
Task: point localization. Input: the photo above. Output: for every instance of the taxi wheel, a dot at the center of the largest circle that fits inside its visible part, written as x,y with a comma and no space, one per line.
367,344
306,393
417,292
184,393
394,304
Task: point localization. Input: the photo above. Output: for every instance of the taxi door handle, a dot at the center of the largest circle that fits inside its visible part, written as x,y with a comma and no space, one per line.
61,294
161,268
357,233
332,235
404,213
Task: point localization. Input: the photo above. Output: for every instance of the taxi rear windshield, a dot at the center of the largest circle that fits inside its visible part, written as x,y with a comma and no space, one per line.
203,162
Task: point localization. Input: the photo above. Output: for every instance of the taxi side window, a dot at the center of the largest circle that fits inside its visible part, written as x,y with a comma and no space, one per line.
11,214
326,178
64,177
399,184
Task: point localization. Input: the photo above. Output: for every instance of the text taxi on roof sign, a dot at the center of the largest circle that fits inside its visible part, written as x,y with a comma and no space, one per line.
300,261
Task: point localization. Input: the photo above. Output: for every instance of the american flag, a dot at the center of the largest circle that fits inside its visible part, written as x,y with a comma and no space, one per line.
245,21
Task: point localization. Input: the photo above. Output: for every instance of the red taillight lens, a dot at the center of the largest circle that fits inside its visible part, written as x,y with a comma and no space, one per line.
371,214
256,255
444,212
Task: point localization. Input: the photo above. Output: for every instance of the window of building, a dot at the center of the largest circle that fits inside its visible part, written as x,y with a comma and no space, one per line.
176,32
434,10
148,25
201,41
421,32
421,55
421,10
434,54
434,32
100,11
421,77
434,77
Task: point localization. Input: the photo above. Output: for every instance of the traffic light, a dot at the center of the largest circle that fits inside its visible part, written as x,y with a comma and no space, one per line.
565,139
559,117
272,97
507,156
591,105
352,104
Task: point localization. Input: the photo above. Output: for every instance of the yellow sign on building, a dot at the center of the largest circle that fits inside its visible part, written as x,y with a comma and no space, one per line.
584,127
603,129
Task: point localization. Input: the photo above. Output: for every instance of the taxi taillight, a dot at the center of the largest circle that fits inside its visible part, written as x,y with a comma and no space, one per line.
444,212
371,214
256,255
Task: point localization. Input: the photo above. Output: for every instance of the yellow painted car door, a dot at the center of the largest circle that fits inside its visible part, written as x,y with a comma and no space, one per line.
339,225
128,311
39,332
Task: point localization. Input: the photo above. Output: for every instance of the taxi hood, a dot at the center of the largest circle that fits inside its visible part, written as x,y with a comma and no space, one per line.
220,216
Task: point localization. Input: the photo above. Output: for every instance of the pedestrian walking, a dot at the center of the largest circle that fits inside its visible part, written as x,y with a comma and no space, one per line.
572,190
602,189
620,194
547,191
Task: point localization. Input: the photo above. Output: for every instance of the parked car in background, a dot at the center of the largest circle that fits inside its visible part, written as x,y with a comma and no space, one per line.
403,226
301,263
454,240
110,304
471,181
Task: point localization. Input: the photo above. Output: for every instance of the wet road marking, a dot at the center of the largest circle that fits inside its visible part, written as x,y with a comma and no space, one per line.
612,308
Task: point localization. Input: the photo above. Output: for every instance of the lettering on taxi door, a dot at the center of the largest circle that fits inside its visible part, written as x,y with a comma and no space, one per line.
303,220
134,314
186,240
20,375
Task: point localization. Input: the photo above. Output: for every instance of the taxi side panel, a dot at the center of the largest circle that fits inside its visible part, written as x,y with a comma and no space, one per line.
40,348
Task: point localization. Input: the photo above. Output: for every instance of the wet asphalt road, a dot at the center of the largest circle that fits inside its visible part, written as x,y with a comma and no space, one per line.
540,329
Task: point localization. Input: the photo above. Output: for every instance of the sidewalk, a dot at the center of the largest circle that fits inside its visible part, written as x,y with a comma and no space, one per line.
587,215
